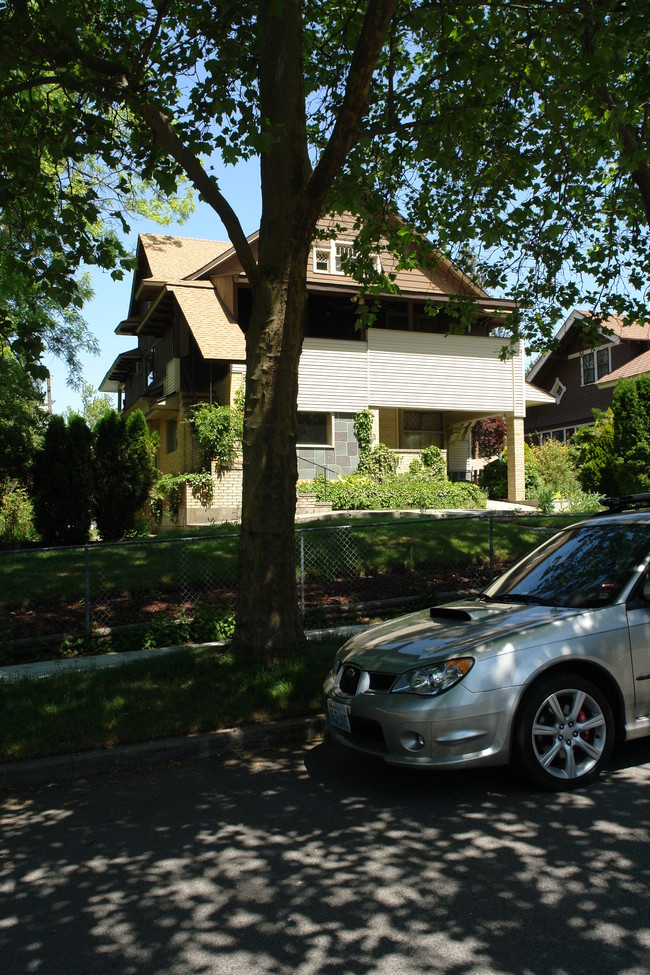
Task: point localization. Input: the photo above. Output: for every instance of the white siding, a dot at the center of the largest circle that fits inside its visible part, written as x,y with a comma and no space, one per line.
441,372
333,376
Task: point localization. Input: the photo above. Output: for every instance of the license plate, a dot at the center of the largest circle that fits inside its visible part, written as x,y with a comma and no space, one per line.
339,715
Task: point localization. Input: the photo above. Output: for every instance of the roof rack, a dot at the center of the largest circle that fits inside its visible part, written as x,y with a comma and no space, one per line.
626,502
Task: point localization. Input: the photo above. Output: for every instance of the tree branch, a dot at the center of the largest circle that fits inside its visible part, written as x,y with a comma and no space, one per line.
162,128
379,14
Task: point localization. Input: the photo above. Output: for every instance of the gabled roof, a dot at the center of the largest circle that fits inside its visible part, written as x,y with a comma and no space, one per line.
177,258
612,330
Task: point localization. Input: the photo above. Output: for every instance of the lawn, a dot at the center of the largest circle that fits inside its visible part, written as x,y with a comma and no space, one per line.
192,690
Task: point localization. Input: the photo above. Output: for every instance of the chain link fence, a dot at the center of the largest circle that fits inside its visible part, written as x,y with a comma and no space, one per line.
344,572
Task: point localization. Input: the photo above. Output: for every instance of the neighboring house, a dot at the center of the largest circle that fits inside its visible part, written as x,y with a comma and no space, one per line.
581,375
190,307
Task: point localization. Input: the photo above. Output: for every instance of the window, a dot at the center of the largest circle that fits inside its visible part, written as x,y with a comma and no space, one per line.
343,253
314,429
422,429
594,364
171,436
328,257
558,390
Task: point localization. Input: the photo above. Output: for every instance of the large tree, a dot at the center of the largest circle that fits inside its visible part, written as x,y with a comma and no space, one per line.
516,129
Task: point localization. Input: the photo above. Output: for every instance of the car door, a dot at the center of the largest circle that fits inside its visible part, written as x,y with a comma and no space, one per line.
638,617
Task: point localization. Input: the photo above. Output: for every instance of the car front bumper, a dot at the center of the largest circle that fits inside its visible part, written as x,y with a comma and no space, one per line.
457,729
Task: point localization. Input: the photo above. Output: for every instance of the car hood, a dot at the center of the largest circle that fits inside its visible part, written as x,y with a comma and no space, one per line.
457,627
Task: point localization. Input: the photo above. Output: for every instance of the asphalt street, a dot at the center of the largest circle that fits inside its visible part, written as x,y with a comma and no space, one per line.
313,860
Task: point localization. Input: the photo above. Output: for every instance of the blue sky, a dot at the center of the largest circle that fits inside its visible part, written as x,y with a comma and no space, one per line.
110,305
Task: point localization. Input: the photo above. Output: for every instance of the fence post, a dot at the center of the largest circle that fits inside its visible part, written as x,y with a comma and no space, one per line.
491,548
302,572
87,588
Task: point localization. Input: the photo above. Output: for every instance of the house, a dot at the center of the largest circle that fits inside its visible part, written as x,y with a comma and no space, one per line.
581,374
189,309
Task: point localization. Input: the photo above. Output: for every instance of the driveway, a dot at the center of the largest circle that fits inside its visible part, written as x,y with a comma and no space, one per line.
317,861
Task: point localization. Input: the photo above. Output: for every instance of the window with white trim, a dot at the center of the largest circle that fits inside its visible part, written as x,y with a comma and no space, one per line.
328,256
558,390
594,364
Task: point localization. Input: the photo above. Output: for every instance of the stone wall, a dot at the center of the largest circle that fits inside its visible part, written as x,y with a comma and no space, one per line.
342,458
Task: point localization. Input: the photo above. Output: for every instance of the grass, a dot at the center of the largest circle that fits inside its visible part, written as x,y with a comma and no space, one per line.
194,690
36,578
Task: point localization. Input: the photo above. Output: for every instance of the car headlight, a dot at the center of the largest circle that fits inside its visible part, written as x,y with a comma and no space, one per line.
434,678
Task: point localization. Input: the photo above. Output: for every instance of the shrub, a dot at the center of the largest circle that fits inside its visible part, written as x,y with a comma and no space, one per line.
556,468
124,472
631,406
417,491
16,515
494,479
167,491
593,450
63,482
379,463
434,462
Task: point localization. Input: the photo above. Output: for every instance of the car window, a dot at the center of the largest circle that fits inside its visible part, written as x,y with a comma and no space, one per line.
582,566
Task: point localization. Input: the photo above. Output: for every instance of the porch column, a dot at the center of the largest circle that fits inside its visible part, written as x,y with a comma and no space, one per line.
515,442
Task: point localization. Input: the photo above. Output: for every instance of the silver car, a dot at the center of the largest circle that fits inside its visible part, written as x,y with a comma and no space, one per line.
547,667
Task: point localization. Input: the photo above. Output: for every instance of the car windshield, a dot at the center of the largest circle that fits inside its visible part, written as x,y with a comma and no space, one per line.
586,565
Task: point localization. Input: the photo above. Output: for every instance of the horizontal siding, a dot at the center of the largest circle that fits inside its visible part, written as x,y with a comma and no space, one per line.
453,372
333,376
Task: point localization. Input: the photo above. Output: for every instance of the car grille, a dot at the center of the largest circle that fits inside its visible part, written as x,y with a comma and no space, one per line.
349,681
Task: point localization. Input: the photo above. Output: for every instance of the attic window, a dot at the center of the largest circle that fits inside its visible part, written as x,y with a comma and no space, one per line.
343,253
558,390
321,259
329,257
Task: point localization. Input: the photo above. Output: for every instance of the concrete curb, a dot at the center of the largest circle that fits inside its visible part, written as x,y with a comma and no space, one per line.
211,745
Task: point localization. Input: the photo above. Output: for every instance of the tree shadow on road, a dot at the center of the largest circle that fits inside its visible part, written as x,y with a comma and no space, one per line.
323,861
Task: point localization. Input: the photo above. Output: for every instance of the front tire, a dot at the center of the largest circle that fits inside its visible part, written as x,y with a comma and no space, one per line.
564,733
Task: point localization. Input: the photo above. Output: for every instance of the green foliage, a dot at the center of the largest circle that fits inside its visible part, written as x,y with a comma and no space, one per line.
554,464
63,483
93,405
363,423
434,462
124,472
22,418
494,479
16,515
400,491
593,448
379,463
218,430
168,491
631,407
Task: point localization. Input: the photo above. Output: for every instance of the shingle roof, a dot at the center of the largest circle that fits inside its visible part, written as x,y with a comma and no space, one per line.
174,258
217,334
635,367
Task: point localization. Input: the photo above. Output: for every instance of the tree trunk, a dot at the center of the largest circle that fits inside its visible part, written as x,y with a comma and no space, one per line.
268,618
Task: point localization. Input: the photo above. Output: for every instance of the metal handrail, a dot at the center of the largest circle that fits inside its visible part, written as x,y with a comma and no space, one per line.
308,460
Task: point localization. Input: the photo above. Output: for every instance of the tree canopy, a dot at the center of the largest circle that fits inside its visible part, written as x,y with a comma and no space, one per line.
519,131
